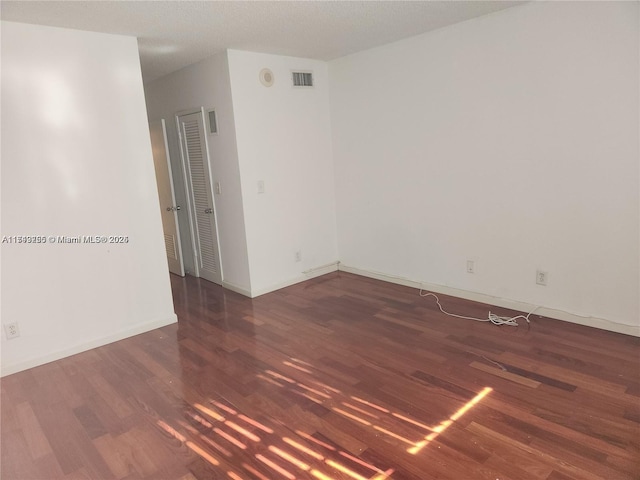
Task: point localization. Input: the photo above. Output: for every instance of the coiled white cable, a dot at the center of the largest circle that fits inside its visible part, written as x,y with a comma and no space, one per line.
493,318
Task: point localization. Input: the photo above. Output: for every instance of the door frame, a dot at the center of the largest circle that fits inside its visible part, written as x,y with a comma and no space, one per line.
186,173
178,241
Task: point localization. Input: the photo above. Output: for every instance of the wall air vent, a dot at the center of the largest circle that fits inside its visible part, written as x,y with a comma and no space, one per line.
302,79
212,122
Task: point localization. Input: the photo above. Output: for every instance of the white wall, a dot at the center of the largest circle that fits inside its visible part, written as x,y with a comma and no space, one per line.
284,139
511,140
206,84
76,160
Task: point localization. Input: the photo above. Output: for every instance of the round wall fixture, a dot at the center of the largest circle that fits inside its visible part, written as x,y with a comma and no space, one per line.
266,77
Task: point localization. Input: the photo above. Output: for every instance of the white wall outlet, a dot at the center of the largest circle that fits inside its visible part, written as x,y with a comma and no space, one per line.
541,277
298,256
11,330
260,186
218,189
471,266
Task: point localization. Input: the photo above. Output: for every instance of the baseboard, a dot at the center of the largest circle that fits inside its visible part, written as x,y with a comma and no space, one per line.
595,322
83,347
306,275
236,288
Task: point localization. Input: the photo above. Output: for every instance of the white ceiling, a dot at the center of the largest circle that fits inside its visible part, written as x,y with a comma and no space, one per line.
173,34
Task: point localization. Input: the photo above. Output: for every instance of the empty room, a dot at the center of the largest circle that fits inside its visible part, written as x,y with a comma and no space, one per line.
328,240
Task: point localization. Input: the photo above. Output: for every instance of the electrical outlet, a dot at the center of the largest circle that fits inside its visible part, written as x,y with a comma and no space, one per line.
260,186
541,277
11,330
218,189
298,256
471,266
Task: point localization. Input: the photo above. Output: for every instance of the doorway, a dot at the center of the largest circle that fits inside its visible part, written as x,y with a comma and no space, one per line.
166,194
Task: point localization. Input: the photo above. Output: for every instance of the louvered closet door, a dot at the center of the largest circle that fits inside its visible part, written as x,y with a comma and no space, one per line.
203,213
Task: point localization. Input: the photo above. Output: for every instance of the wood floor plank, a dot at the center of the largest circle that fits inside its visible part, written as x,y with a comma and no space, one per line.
340,377
542,457
587,382
35,438
15,461
506,375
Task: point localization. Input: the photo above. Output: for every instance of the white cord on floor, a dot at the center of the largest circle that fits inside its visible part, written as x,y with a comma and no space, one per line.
493,318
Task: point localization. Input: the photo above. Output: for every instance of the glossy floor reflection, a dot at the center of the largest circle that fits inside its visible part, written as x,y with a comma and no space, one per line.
209,427
341,377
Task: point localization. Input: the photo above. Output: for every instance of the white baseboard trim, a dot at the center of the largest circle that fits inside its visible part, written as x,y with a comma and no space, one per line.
596,322
83,347
306,275
236,288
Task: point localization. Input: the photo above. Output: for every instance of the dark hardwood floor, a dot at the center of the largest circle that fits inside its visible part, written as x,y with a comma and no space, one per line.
341,377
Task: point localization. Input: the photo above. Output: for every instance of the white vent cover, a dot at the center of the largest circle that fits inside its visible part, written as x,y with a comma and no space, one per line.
302,79
212,122
170,246
266,77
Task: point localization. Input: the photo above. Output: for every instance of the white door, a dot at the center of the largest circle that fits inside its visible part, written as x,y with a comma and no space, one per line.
168,208
196,160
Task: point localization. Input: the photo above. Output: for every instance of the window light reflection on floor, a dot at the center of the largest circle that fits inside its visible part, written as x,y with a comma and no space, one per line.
415,446
291,456
444,425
